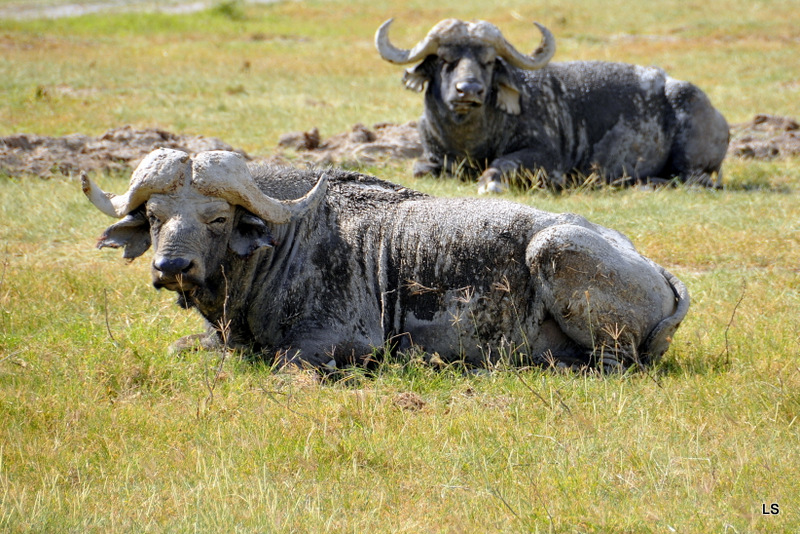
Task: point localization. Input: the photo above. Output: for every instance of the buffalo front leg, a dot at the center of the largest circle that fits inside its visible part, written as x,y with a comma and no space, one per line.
603,294
427,166
491,181
333,346
502,170
195,342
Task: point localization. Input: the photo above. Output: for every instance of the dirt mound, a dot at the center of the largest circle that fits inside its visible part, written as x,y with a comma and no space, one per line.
361,145
765,137
120,149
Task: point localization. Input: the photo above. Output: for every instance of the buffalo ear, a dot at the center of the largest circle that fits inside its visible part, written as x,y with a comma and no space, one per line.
508,92
132,232
415,78
249,235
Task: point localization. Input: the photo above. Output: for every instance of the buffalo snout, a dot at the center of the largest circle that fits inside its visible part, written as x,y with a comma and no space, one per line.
467,85
175,273
470,88
468,95
172,266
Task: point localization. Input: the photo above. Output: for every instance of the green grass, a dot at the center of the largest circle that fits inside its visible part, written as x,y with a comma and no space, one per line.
102,431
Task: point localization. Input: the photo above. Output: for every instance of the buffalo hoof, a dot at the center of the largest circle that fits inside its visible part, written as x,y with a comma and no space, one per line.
491,187
192,343
490,182
424,167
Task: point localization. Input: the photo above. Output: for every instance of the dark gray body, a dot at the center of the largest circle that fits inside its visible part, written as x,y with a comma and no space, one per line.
622,121
377,265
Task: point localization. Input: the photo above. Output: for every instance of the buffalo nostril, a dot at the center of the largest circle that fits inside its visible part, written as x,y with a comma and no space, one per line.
172,266
469,88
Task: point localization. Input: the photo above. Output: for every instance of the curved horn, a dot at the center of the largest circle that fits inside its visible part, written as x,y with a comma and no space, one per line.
310,200
160,171
538,59
400,56
225,175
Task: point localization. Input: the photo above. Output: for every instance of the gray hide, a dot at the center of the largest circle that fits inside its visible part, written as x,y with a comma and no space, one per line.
625,122
372,265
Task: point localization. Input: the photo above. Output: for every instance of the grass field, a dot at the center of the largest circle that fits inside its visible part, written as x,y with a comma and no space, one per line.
102,431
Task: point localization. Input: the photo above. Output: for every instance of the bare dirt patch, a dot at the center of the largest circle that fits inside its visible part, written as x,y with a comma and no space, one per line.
120,149
359,146
765,137
408,400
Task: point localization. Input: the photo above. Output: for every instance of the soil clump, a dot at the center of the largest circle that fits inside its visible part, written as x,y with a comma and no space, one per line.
119,149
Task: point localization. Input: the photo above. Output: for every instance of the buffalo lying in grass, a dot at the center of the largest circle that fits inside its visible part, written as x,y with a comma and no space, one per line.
493,109
323,268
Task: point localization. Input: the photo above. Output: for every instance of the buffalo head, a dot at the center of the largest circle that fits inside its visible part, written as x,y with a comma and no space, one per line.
194,212
466,62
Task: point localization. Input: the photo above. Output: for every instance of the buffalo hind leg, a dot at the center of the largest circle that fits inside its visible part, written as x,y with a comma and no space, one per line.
604,296
701,137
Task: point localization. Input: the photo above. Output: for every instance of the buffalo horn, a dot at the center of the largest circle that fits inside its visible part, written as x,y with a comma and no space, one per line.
453,30
225,175
400,56
540,57
161,171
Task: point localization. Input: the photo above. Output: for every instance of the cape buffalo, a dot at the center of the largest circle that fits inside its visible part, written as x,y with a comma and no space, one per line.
493,109
330,267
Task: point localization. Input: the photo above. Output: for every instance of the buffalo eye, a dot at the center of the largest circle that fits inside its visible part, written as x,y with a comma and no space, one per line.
219,220
153,220
487,58
447,59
